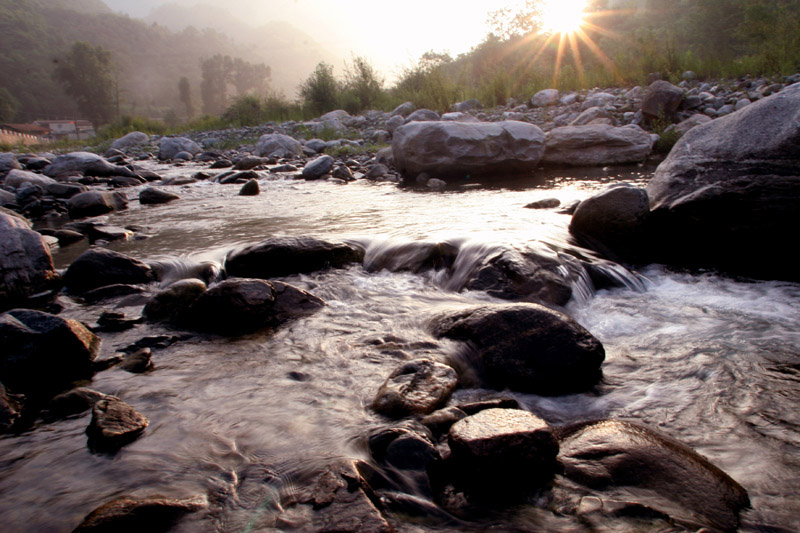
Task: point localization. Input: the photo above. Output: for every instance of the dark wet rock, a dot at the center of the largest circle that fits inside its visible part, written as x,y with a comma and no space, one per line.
148,175
114,424
526,347
293,302
43,353
130,140
93,203
10,408
72,402
318,167
616,218
251,188
408,446
248,162
278,145
238,177
596,145
643,466
169,147
477,406
151,195
65,190
8,162
154,514
439,422
26,266
377,171
110,291
338,500
546,203
285,256
138,362
108,233
456,150
222,163
503,449
729,190
172,302
115,321
98,267
126,181
85,163
570,208
411,256
662,100
284,168
417,387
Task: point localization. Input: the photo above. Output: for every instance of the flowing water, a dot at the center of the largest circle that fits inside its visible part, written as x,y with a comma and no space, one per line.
707,359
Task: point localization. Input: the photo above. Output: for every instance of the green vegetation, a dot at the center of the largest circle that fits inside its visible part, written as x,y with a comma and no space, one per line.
348,149
87,76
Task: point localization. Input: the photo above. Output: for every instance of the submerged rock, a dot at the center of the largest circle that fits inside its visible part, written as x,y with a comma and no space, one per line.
526,347
155,514
98,267
114,424
417,387
457,150
251,188
285,256
636,464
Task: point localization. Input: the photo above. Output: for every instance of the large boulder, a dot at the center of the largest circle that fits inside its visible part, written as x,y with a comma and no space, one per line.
169,147
457,150
133,138
728,191
95,203
525,347
277,145
85,163
630,462
26,266
98,267
596,145
127,514
661,100
43,353
16,178
417,387
285,256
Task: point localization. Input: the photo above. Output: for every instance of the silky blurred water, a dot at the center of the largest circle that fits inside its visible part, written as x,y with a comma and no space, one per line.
709,360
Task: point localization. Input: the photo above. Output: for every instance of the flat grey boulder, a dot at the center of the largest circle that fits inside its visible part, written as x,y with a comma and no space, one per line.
525,347
85,163
630,462
417,387
93,203
728,191
114,424
285,256
98,267
596,145
130,140
545,97
26,266
16,178
456,150
278,145
169,147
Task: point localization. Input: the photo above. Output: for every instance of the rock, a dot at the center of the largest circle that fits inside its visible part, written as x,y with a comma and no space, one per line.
595,145
248,162
234,307
293,302
8,162
85,163
662,100
526,347
66,237
695,120
98,267
501,450
641,465
316,145
114,424
377,171
417,387
7,198
742,103
601,99
277,145
237,177
408,446
169,147
285,256
394,122
94,203
458,116
108,233
151,195
72,402
615,217
318,167
155,514
422,115
439,422
43,353
404,109
729,190
546,203
458,149
251,188
183,155
436,184
591,115
10,408
26,266
467,105
66,190
138,362
171,303
16,178
130,140
545,98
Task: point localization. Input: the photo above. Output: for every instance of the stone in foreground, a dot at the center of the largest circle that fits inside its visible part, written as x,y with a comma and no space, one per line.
154,514
98,267
638,464
459,150
417,387
26,266
526,347
114,424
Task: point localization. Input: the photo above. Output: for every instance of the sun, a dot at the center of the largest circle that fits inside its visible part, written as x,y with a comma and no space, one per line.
562,16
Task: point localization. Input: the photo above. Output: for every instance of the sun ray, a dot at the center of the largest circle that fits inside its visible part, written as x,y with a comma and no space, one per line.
598,52
559,58
576,58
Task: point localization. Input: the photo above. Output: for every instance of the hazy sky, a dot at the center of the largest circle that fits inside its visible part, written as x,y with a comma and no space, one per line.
389,34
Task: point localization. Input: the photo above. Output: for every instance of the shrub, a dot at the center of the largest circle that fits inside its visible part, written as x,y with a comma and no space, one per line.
320,91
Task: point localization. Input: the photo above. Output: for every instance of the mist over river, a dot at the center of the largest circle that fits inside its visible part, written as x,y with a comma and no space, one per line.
709,360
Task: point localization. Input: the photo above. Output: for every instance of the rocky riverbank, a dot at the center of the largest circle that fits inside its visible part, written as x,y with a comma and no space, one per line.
452,462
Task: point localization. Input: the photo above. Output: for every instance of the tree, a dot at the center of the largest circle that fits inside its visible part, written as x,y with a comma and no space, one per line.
320,91
214,86
87,75
250,76
185,94
9,106
362,81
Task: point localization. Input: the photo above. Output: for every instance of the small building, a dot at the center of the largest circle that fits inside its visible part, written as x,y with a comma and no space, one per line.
24,134
67,129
